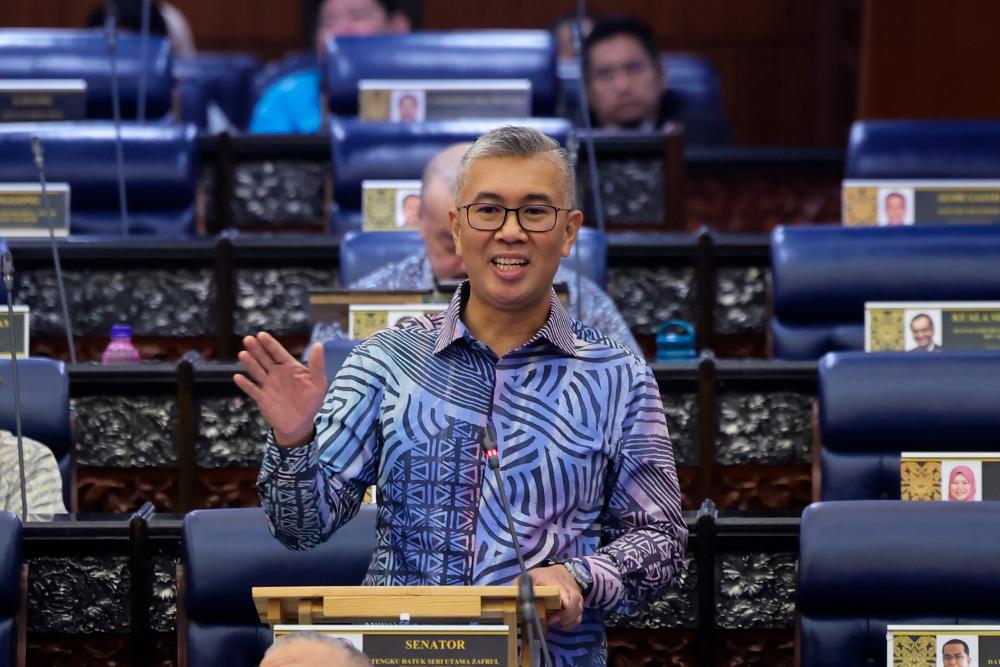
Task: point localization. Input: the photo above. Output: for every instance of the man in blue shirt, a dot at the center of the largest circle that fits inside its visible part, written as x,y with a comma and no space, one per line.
292,104
576,417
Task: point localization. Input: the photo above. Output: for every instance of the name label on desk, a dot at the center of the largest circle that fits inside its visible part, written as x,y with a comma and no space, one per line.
366,319
22,213
922,202
419,645
416,101
932,326
32,100
390,206
927,644
949,476
22,315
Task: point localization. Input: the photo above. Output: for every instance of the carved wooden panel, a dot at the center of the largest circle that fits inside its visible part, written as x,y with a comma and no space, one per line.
122,490
756,486
757,648
651,648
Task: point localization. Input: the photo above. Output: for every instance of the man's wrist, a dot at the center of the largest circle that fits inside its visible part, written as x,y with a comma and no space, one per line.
293,441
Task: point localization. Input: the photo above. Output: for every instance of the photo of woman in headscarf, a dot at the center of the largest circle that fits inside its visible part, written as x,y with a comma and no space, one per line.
962,484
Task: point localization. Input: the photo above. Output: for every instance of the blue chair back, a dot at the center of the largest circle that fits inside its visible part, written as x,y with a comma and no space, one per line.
822,276
335,353
10,586
362,253
915,149
866,564
874,406
161,166
44,409
31,53
370,150
469,54
223,78
227,552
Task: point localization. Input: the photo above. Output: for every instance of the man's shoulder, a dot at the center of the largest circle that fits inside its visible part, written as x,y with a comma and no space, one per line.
409,335
33,450
298,82
407,273
598,347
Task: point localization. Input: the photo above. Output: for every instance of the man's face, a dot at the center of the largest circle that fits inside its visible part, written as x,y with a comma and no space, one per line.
895,209
407,109
435,227
923,331
624,85
511,269
411,210
954,655
342,18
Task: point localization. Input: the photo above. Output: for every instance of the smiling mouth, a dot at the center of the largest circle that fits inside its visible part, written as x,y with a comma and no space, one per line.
508,263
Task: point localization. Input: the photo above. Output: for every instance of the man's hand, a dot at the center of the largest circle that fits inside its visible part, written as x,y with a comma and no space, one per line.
287,393
571,614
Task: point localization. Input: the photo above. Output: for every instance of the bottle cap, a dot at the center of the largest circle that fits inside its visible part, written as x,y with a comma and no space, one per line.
121,331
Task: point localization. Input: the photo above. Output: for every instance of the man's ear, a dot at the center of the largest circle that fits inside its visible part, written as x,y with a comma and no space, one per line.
456,226
574,219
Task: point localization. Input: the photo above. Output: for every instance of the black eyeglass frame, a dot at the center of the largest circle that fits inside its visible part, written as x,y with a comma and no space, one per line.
517,216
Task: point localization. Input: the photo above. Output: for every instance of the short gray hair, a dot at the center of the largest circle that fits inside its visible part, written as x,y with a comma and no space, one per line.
354,657
518,142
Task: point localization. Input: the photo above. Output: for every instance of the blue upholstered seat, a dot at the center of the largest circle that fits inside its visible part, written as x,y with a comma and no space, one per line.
472,54
866,564
335,353
371,150
874,406
160,168
31,53
227,79
915,149
362,253
44,409
228,552
822,277
10,586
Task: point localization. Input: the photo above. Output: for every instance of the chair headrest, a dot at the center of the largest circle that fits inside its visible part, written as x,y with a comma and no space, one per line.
372,150
911,402
335,353
362,253
962,149
825,274
471,54
31,53
878,557
227,79
44,401
10,564
161,162
218,585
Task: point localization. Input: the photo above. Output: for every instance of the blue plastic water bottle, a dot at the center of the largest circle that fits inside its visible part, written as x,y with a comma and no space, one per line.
120,350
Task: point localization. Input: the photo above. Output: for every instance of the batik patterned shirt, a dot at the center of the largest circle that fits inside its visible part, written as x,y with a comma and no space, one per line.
587,301
585,458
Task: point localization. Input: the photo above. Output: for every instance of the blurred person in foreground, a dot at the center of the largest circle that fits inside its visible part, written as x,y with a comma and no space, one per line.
313,649
291,105
576,417
440,263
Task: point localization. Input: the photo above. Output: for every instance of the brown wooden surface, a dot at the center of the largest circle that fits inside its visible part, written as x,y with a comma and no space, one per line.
929,59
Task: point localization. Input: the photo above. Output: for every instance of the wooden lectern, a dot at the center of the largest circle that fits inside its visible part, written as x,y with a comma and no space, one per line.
314,605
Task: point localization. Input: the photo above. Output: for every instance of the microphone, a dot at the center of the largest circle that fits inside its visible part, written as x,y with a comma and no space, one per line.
7,267
111,31
39,152
527,589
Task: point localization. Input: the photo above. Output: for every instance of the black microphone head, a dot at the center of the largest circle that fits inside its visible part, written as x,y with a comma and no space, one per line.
37,150
7,260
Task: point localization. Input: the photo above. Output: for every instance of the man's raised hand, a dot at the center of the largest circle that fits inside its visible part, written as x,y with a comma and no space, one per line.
287,393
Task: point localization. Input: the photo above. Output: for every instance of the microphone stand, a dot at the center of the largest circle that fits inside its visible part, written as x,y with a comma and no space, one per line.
39,152
110,28
527,605
143,57
7,260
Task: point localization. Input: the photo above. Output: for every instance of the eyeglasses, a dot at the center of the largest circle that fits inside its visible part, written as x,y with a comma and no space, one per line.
532,217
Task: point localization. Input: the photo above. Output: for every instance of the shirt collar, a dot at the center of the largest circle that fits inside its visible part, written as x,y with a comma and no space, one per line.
557,329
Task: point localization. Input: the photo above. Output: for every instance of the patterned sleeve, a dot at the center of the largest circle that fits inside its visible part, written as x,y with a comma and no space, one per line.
644,534
308,492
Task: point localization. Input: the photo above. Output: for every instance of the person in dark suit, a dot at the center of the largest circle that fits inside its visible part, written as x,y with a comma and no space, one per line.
922,328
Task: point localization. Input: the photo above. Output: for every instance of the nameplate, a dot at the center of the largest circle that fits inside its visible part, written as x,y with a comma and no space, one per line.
22,213
22,316
967,645
32,100
366,319
416,101
390,206
418,645
932,326
923,202
950,476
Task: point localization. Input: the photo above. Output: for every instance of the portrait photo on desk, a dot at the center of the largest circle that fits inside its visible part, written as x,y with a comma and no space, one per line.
895,207
407,106
407,208
957,650
922,330
961,480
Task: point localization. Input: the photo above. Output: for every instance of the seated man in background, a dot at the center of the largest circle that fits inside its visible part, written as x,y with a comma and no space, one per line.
291,105
625,81
313,649
440,261
43,484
